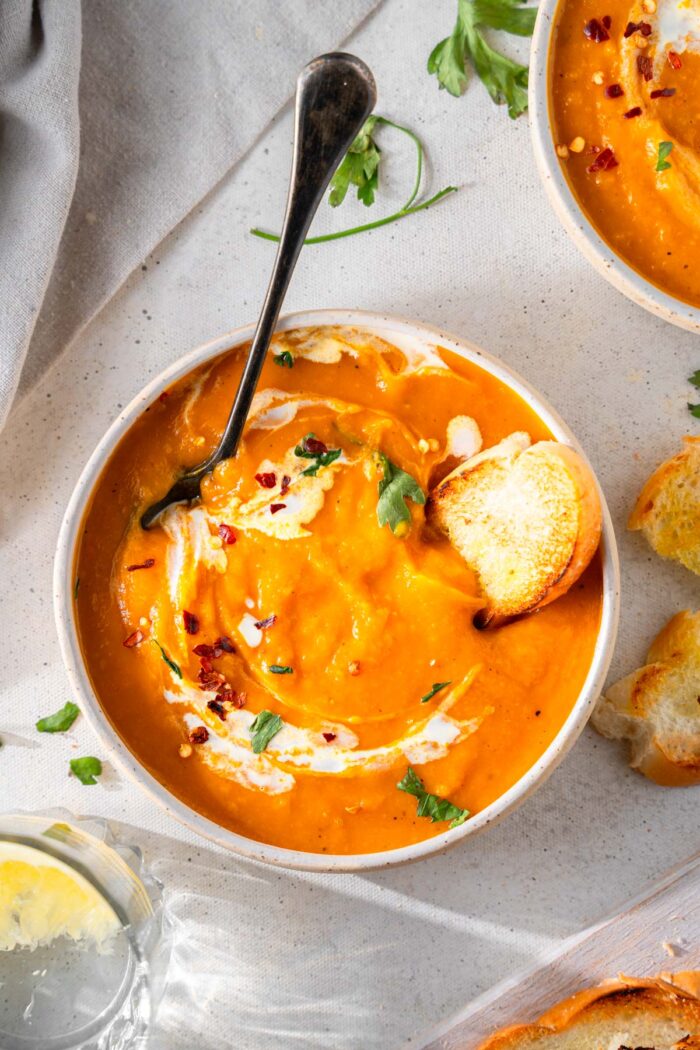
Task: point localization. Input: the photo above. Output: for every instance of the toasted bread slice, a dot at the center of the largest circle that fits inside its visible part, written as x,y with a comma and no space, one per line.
668,508
648,1013
525,517
657,708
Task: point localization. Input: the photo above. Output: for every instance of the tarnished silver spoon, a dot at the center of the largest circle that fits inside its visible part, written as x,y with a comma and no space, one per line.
335,95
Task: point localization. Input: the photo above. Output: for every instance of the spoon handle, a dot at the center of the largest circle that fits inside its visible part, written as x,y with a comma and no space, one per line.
335,95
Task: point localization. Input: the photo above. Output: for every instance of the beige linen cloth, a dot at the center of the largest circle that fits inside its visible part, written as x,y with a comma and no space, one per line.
116,118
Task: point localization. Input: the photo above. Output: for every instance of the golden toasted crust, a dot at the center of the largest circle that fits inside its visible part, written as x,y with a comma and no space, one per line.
668,508
657,708
526,518
646,1008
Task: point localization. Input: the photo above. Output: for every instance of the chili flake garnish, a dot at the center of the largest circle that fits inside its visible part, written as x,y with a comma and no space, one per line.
268,480
614,91
663,93
596,31
224,643
607,21
274,507
675,60
227,534
164,396
605,160
228,696
267,622
637,27
203,649
147,564
191,622
636,111
134,639
645,66
285,484
199,735
218,708
329,737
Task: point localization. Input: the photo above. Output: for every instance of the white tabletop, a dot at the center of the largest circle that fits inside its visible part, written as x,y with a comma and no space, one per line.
264,958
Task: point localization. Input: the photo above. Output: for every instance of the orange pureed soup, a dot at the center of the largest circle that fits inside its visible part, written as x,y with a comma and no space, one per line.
280,592
625,83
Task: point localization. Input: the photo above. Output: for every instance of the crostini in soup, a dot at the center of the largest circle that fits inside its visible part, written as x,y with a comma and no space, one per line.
625,79
295,655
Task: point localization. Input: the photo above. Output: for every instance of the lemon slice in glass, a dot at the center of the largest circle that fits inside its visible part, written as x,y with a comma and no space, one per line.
42,899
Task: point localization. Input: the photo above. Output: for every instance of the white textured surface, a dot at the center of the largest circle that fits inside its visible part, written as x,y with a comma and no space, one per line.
365,962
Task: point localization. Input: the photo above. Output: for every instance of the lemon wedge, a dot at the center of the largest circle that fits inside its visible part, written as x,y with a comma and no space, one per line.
42,898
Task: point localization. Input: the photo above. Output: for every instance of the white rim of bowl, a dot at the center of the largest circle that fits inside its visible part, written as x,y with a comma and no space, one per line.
115,746
570,213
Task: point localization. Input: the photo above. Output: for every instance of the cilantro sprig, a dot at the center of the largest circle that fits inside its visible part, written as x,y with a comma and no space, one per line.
284,359
311,448
431,806
695,381
361,168
60,721
262,729
505,80
435,688
394,489
665,149
86,769
175,668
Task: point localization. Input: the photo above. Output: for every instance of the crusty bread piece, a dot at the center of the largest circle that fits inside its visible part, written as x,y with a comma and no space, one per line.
624,1014
657,708
668,508
525,517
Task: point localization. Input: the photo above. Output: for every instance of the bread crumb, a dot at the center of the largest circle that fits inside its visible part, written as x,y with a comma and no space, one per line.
671,949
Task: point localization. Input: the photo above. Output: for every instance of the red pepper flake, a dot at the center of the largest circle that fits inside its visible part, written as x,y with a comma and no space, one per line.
191,622
596,32
614,91
199,735
218,708
663,93
637,27
314,446
237,700
636,111
211,680
605,160
594,149
645,66
207,665
329,737
268,480
134,639
274,507
225,644
164,396
267,622
675,60
147,564
285,484
203,649
607,21
227,534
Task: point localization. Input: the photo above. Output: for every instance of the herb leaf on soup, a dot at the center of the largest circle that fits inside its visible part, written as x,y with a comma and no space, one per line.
431,806
394,489
86,769
280,669
171,663
310,447
59,721
435,688
284,359
665,149
263,728
504,79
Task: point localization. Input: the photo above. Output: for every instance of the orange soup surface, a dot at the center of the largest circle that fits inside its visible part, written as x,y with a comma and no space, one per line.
625,85
275,656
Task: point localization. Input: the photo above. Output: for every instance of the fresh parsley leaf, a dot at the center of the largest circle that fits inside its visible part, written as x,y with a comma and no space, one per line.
504,79
665,149
263,728
323,460
694,410
311,448
394,489
695,378
431,806
86,769
171,663
280,669
435,688
60,721
284,360
359,167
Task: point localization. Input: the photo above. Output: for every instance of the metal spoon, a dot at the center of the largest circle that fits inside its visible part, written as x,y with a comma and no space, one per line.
335,95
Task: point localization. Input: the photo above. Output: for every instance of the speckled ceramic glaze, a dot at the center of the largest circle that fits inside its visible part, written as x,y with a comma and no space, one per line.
66,622
573,218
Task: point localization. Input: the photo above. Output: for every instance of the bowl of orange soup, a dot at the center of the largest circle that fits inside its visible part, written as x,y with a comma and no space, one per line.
614,115
281,671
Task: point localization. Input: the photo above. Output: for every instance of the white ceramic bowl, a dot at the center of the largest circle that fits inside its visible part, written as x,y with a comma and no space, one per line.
567,208
390,328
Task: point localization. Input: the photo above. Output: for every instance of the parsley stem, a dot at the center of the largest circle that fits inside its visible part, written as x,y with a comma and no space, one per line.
419,157
394,217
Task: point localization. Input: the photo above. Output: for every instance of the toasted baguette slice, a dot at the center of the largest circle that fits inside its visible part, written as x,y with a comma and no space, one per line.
668,508
623,1014
526,518
657,708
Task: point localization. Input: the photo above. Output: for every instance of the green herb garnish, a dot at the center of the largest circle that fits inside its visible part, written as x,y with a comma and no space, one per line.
435,688
284,360
86,769
311,448
360,168
394,489
664,152
263,728
171,663
280,669
695,381
431,806
504,79
60,721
